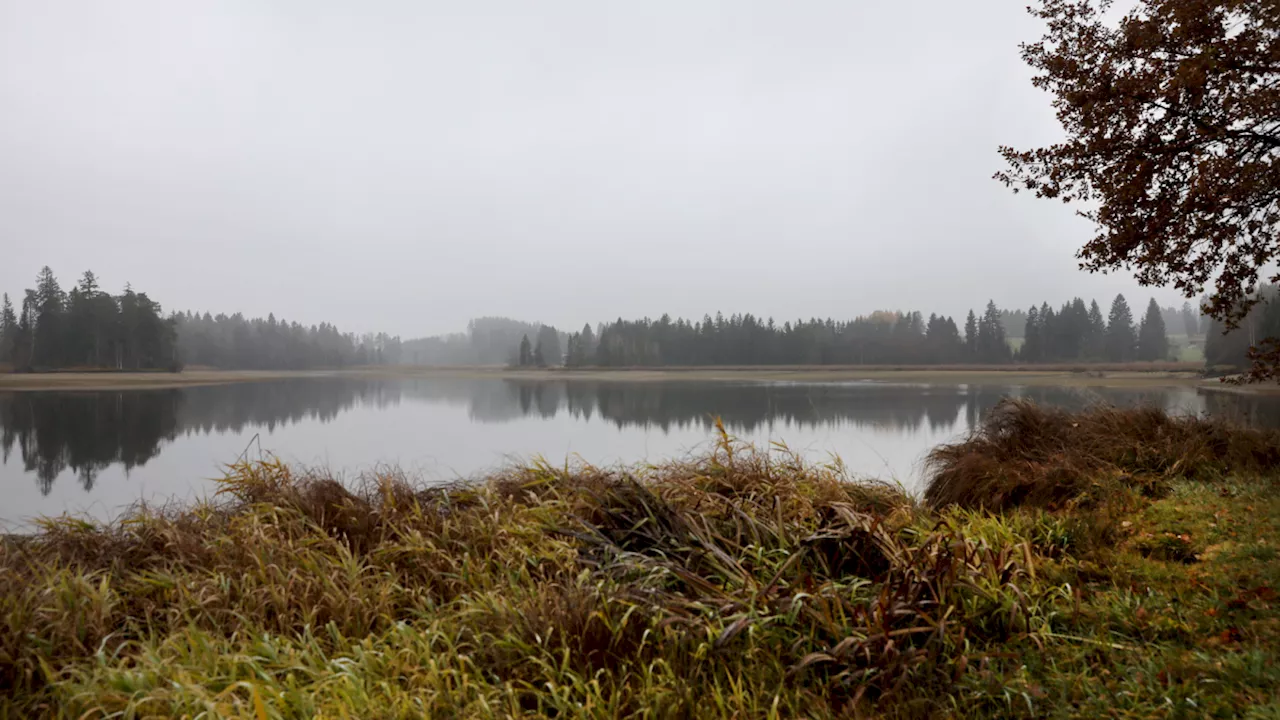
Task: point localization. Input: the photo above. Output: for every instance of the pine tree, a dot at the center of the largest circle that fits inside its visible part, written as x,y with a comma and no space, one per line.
1095,342
1153,344
571,351
549,341
1190,321
1033,339
1077,330
991,344
8,331
50,305
25,338
1050,334
971,335
526,353
1121,339
90,316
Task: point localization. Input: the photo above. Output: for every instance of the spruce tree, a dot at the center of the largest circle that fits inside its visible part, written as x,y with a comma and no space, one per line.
1050,334
25,339
8,330
526,352
1121,339
971,335
571,350
549,341
1190,321
586,346
50,306
1032,342
1153,344
1095,345
992,347
1078,330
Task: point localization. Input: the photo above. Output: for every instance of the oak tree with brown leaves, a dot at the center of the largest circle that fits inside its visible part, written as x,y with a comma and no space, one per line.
1172,149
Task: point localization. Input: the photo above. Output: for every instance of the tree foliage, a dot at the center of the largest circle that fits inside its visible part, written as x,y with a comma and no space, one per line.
90,328
237,342
1076,333
548,347
1122,339
1153,344
1073,333
526,354
1233,349
487,341
86,328
1172,116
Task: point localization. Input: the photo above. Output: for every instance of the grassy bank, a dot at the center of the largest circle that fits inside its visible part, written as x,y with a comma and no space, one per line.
1116,563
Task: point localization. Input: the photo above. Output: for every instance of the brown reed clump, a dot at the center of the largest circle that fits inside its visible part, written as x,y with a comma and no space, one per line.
1026,454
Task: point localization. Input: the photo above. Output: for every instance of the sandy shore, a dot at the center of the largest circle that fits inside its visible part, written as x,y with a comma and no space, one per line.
142,380
1165,375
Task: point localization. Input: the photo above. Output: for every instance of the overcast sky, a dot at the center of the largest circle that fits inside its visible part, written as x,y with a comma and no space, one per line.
404,165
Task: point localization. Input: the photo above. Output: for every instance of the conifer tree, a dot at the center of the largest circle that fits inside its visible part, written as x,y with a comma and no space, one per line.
971,335
526,352
1153,343
1190,321
1095,343
1121,341
8,330
1033,339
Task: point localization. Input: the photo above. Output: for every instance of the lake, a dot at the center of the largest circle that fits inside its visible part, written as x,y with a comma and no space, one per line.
95,453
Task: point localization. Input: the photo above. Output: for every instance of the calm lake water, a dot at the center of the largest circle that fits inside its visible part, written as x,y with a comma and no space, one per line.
97,452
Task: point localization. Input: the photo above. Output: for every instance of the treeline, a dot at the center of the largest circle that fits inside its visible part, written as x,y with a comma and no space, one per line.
487,341
90,328
545,352
86,327
1075,332
236,342
746,340
1177,321
1229,351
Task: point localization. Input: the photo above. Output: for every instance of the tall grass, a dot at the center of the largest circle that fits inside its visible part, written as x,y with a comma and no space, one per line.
741,583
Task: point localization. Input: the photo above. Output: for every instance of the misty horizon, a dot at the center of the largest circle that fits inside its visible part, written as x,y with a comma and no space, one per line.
411,166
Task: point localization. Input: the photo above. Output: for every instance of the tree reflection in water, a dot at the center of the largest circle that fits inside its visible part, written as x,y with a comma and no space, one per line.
90,431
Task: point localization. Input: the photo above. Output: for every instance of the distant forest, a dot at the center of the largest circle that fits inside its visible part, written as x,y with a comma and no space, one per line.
1231,350
1074,332
487,341
89,328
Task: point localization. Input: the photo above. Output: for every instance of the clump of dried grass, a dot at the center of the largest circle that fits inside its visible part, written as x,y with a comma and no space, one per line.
1026,454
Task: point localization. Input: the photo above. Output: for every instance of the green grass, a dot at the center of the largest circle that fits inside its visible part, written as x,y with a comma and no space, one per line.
744,583
1187,349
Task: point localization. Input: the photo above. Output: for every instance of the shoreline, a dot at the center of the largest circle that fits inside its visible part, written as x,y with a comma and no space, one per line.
771,586
103,381
1104,375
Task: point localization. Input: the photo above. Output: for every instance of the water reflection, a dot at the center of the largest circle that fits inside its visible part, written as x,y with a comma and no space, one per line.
50,433
747,407
86,432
